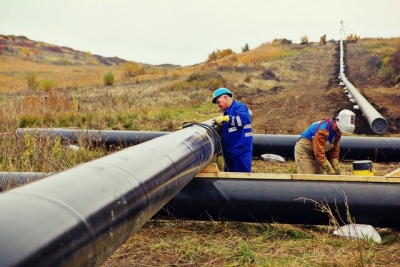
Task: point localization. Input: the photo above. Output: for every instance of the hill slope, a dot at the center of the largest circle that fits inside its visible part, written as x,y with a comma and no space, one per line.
309,90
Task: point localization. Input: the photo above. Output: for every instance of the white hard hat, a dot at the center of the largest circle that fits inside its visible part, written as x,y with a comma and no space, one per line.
345,121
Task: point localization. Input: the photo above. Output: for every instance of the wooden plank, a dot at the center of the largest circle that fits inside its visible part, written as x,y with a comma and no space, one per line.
345,178
246,175
211,168
300,177
394,174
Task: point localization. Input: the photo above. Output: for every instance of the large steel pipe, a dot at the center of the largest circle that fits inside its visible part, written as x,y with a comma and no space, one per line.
378,149
80,216
266,200
377,123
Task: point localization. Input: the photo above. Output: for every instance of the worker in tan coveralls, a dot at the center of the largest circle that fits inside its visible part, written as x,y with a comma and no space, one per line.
317,150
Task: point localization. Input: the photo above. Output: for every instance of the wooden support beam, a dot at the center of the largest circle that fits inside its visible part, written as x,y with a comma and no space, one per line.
212,171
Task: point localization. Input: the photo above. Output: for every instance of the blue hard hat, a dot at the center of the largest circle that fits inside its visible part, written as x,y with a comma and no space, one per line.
219,92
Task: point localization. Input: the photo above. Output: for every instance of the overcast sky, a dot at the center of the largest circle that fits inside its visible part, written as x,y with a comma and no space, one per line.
185,32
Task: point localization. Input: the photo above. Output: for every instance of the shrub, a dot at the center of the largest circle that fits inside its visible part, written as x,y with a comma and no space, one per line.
268,75
219,54
55,49
26,51
132,69
31,80
47,84
74,86
394,62
108,79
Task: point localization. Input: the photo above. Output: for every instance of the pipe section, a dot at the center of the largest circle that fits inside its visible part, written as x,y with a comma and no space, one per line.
107,137
80,216
267,200
12,179
377,123
377,149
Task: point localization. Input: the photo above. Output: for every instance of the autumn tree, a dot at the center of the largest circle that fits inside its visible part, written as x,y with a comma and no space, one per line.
26,51
245,47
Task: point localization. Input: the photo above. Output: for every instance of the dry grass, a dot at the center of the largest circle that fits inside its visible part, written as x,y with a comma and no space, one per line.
190,243
15,70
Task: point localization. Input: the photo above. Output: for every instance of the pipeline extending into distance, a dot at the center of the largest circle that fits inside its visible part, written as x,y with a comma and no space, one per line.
377,123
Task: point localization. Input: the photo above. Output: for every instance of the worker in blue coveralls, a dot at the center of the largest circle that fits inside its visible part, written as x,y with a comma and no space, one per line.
236,131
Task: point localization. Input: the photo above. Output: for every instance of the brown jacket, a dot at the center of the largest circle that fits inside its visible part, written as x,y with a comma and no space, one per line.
321,148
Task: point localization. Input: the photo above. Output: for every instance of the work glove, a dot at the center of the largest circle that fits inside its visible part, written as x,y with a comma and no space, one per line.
221,119
327,167
336,166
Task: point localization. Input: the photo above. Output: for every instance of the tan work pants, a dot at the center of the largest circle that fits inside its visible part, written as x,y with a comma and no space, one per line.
305,160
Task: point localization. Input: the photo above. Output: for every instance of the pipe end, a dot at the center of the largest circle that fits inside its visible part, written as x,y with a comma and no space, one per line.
379,125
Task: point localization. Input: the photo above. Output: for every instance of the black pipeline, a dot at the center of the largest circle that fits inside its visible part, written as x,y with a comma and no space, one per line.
285,201
377,149
12,179
109,138
80,216
282,201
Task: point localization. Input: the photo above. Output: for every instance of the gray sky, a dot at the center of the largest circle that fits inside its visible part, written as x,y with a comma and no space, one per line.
185,32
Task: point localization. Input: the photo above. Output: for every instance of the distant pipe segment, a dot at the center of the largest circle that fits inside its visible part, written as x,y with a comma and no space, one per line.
377,123
107,137
80,216
378,149
12,179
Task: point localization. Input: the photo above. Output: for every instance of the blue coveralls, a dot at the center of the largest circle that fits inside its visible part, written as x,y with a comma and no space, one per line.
237,138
